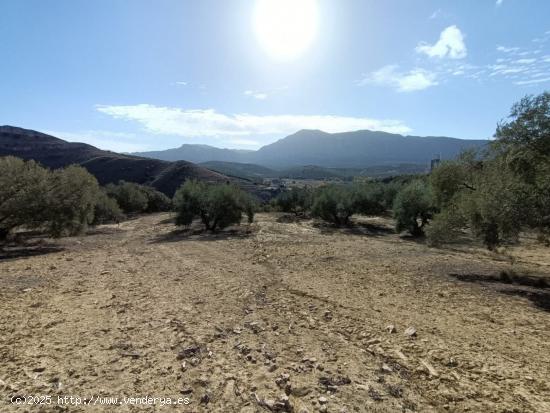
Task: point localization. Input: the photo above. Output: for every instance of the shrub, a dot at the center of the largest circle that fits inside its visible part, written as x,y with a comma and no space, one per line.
59,202
23,189
106,210
413,207
135,198
295,200
218,206
129,196
156,200
70,201
444,227
368,199
333,203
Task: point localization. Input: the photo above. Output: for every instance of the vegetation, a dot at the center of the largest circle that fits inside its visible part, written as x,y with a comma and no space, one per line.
505,191
337,203
413,207
134,198
296,200
106,209
58,202
217,206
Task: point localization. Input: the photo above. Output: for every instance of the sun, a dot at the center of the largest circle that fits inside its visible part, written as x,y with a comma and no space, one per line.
285,28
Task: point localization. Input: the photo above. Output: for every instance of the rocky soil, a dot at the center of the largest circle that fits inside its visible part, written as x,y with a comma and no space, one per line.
280,316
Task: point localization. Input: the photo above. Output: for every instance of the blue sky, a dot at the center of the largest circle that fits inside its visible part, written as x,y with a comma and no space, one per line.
140,75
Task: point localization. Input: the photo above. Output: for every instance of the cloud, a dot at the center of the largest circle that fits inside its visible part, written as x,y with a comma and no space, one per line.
210,123
181,83
256,95
413,80
107,140
499,2
450,44
533,81
436,14
505,49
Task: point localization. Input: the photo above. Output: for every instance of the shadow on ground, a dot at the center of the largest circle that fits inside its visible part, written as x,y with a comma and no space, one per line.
14,251
199,234
535,289
356,228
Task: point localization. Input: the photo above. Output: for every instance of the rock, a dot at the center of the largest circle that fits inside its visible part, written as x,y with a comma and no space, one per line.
386,369
188,352
373,341
205,399
410,332
391,329
430,368
328,315
323,400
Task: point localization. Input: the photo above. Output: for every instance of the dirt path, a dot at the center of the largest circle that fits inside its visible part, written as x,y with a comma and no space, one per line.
275,317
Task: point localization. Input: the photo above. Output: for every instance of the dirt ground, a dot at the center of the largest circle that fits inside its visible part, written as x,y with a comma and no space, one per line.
277,316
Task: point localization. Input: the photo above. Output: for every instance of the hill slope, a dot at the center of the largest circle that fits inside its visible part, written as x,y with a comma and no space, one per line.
357,149
198,154
106,166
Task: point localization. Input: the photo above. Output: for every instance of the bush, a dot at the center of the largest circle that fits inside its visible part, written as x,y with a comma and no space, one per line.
218,206
444,227
295,200
413,207
333,203
156,200
23,190
134,198
129,196
106,210
70,201
369,199
59,202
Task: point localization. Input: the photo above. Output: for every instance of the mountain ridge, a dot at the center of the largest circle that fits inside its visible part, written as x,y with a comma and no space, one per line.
107,166
357,149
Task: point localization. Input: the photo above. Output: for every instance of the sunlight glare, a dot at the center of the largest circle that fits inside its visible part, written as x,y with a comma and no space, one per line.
285,28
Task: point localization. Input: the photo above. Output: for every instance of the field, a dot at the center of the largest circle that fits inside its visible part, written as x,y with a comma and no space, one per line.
281,315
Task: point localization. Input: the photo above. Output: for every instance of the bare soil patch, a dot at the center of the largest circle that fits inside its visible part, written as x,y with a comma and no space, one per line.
275,316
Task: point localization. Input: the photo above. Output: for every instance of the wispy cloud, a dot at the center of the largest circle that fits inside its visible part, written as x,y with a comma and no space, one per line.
435,14
413,80
450,44
210,123
523,65
256,95
108,140
181,83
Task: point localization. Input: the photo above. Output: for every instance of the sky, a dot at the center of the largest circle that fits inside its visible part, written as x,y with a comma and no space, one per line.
154,74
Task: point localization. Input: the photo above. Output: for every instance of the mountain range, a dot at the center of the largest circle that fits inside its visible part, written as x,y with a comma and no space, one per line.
357,149
109,166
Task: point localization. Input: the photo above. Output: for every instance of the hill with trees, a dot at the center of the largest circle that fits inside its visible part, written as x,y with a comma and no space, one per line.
107,167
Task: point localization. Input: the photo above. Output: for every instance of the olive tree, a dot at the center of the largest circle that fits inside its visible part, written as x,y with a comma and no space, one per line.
217,206
413,208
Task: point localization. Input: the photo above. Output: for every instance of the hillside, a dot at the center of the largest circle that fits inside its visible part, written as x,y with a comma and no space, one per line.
198,154
106,166
248,171
359,149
